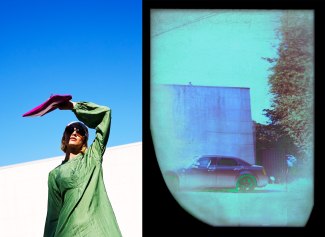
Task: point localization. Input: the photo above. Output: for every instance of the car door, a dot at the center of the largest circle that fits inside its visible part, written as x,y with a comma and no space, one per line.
227,170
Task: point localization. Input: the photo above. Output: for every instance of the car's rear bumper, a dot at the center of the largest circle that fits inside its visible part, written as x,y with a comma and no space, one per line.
262,181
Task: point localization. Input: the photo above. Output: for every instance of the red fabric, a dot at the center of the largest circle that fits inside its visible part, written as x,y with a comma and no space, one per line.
48,106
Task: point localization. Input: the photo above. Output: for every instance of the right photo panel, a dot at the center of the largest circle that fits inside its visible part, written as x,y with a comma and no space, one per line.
232,113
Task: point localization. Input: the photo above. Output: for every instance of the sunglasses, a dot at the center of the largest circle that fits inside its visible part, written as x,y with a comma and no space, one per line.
80,130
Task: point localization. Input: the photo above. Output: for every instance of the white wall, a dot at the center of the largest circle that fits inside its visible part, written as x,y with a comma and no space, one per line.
200,120
23,192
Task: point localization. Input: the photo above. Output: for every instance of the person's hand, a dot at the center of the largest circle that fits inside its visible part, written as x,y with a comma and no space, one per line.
68,105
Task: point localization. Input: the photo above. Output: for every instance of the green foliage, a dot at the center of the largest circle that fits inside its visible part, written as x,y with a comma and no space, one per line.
271,136
292,80
266,135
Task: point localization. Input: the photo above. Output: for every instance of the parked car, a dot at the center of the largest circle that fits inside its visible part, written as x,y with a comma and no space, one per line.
215,171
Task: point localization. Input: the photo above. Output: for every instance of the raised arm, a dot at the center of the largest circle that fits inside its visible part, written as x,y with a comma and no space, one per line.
96,117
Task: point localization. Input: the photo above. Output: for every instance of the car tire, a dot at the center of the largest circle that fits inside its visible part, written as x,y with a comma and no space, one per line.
246,183
173,183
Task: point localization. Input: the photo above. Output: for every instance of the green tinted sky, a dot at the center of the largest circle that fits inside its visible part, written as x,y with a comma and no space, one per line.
215,48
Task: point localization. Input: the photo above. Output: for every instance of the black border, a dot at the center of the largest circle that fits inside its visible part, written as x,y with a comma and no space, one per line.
162,215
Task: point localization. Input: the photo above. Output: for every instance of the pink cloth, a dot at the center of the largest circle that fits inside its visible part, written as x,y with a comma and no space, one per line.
48,106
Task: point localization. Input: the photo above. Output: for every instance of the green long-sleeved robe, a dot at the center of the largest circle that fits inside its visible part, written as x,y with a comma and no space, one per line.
78,205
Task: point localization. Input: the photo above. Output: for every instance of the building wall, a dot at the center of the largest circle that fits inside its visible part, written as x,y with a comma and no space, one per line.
23,192
187,121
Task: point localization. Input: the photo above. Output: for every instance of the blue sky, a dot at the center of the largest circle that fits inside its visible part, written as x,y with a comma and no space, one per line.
89,49
216,48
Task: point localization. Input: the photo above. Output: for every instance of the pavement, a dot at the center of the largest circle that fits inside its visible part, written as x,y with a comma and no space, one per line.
272,205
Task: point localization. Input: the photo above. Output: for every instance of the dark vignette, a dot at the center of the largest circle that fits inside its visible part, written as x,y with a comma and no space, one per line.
162,215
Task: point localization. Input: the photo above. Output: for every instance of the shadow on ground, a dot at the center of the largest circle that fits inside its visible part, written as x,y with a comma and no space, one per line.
233,190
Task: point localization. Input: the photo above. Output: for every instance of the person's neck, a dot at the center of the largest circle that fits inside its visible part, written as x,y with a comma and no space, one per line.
71,154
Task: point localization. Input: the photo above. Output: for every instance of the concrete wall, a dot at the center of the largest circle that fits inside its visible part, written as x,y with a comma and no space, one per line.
193,120
23,192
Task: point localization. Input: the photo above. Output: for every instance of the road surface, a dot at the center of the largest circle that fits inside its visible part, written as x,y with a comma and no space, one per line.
272,205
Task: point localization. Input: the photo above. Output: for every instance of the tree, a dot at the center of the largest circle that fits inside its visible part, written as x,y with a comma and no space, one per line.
291,81
270,137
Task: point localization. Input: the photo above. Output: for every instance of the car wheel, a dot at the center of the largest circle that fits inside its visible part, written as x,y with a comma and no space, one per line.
246,183
173,183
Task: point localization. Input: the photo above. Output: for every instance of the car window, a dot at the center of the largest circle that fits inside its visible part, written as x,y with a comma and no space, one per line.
213,163
227,162
244,163
203,162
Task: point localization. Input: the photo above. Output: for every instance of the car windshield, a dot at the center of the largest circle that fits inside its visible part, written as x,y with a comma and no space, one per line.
201,162
194,162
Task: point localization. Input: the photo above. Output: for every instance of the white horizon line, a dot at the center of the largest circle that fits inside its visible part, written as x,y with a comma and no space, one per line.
57,157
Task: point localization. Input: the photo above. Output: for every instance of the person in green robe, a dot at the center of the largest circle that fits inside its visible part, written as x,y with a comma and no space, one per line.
78,205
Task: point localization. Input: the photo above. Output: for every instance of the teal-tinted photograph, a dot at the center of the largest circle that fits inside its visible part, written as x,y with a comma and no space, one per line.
231,113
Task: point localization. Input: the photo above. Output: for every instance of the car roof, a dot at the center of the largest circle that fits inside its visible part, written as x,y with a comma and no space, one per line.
223,157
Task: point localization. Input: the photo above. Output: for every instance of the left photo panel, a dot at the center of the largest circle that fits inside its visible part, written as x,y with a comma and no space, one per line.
71,162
